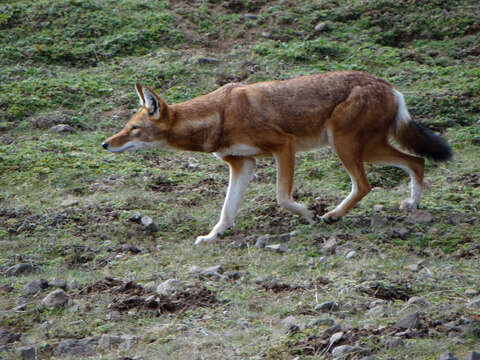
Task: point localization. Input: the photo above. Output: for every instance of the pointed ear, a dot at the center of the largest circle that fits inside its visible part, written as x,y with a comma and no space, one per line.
139,90
152,102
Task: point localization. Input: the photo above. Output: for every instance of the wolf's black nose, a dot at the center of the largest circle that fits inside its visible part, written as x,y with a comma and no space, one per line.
104,145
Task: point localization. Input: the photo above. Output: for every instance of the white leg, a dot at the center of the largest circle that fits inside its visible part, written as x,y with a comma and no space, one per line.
241,171
415,191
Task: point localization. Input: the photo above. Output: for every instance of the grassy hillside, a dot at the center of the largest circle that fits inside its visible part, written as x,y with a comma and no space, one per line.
71,210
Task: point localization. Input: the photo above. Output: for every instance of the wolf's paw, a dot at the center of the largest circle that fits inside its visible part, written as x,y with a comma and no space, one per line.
330,218
408,205
206,239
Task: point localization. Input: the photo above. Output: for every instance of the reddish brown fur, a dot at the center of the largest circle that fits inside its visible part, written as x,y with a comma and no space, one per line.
352,111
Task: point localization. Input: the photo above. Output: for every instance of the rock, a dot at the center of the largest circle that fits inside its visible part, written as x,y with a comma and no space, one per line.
7,337
343,350
419,301
149,224
330,246
210,272
107,342
415,267
326,306
169,287
471,292
371,357
475,304
411,321
473,355
19,269
250,16
207,60
377,221
378,310
128,248
35,286
392,342
264,240
150,287
378,207
69,202
27,352
128,341
56,298
401,232
290,325
279,248
351,254
447,356
419,217
58,283
73,347
322,26
62,129
320,322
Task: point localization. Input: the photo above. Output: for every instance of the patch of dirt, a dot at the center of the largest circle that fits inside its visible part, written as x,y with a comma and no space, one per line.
130,296
385,291
371,338
277,286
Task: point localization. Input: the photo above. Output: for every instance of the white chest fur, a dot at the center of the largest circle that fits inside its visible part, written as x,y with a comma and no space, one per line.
238,150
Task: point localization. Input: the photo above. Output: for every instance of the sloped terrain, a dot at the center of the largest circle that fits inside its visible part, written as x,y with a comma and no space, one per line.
73,217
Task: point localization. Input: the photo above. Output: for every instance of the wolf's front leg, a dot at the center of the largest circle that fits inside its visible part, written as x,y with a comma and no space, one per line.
241,171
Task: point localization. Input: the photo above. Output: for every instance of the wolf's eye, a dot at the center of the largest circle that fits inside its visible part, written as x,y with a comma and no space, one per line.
135,127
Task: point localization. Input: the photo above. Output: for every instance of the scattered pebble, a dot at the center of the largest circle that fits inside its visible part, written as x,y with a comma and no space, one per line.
320,322
475,304
19,269
377,221
351,254
411,321
56,299
62,129
35,286
73,347
392,342
169,287
342,350
7,337
330,246
326,306
419,217
27,352
279,248
322,26
149,224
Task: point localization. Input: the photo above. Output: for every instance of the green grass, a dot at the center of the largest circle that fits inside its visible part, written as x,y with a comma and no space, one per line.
75,62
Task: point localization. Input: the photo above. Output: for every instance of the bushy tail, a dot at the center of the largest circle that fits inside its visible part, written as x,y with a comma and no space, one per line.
417,138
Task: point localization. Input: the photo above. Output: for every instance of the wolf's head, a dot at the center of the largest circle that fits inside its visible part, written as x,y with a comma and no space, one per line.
147,128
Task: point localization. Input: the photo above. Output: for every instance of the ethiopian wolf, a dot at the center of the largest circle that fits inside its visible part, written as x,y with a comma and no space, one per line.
353,112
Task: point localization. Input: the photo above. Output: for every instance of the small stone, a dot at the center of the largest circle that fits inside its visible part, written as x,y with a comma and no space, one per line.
216,269
149,224
279,248
401,231
107,342
32,287
27,352
19,269
128,341
7,337
473,355
290,325
419,217
266,35
207,60
371,357
69,202
326,306
343,350
320,322
475,304
392,342
250,16
471,292
56,298
378,208
261,242
169,287
58,283
210,272
419,301
321,27
73,347
447,356
378,310
351,254
330,245
62,129
128,248
150,287
411,321
136,218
